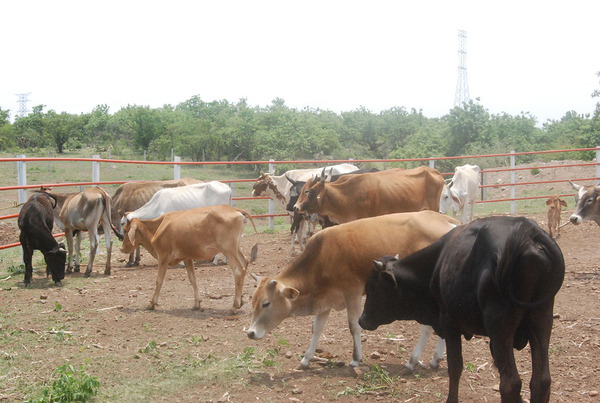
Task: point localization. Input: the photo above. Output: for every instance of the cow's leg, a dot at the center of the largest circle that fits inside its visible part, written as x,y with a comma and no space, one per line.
472,210
108,238
162,270
354,308
501,347
455,366
93,235
238,267
438,354
540,327
302,233
317,329
69,236
130,260
426,332
77,250
27,255
189,267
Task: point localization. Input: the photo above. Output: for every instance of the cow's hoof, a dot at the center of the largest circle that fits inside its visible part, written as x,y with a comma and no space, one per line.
302,367
197,308
77,269
87,274
69,270
151,307
58,284
128,264
107,272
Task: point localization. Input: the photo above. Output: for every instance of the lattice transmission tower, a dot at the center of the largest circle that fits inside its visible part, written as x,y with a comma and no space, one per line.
462,85
22,101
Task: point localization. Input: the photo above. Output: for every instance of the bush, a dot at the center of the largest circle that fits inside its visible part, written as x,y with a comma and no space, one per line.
69,385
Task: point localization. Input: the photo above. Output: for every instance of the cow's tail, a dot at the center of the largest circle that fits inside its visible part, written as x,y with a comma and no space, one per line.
107,210
248,216
529,249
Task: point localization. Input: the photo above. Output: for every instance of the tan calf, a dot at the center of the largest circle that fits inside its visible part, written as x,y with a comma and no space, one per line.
198,233
554,203
332,271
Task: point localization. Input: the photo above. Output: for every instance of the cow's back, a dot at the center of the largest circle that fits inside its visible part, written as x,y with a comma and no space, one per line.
133,195
342,255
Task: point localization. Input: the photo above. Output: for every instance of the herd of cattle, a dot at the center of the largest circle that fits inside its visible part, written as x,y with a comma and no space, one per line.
384,234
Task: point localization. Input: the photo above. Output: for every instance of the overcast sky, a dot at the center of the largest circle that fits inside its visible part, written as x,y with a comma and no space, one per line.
532,56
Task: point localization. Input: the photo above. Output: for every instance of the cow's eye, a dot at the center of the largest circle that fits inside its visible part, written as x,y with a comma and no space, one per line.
266,304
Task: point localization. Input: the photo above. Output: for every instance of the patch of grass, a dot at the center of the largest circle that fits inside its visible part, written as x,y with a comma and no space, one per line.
376,379
69,385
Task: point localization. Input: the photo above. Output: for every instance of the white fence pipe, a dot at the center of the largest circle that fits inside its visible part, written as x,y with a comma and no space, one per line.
512,181
271,202
96,169
176,168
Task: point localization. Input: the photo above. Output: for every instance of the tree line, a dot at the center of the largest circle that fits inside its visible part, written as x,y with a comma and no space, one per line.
224,131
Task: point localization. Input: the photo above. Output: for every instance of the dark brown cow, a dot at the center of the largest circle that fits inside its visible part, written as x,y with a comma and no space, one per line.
36,221
372,194
494,277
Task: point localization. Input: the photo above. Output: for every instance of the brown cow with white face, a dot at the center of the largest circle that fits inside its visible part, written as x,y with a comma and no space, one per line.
332,271
198,233
372,194
588,204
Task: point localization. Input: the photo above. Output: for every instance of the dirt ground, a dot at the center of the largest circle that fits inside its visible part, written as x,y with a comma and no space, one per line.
176,354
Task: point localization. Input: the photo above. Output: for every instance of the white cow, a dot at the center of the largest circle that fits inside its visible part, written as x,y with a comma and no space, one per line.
278,189
183,198
461,193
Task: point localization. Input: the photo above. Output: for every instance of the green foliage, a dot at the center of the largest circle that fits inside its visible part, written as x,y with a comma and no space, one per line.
69,385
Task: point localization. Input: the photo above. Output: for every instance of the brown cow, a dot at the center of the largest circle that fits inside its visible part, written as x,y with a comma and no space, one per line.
131,196
554,203
373,194
198,233
84,211
332,271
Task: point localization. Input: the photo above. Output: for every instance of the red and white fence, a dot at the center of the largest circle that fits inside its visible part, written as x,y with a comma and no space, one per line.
22,185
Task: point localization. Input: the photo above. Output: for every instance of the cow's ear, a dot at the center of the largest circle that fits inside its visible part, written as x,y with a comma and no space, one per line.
290,293
563,203
131,232
389,275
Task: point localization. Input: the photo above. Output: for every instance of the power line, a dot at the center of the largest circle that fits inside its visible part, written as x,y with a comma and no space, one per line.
22,100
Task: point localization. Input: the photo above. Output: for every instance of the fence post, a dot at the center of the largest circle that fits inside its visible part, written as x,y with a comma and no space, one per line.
484,182
512,181
176,168
232,186
22,193
431,163
597,166
95,169
271,202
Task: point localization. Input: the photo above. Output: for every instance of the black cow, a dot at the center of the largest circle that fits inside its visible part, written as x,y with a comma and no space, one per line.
494,277
35,221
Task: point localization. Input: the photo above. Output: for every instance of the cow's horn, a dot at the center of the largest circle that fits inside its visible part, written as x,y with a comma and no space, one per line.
323,175
255,277
293,182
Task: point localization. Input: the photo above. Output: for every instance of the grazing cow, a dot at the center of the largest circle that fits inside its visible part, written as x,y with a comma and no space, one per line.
198,233
279,187
554,203
332,270
183,198
460,194
495,277
131,196
35,222
373,194
587,201
84,211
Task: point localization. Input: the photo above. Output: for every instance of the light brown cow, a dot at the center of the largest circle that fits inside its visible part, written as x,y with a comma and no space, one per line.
84,211
131,196
554,203
373,194
332,271
198,233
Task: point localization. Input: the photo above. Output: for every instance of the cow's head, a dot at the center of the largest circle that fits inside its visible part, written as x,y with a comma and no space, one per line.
271,304
588,204
554,202
311,196
449,200
129,242
381,288
55,262
261,185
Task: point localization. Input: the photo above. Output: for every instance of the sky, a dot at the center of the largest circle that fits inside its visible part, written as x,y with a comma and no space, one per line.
539,57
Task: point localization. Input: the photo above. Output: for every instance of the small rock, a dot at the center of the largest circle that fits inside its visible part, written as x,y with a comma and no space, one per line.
496,388
593,393
296,391
293,399
288,354
375,355
43,297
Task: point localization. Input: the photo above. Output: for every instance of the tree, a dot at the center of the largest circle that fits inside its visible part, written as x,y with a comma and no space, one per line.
61,128
466,124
